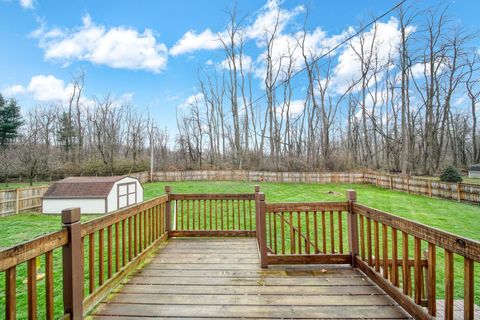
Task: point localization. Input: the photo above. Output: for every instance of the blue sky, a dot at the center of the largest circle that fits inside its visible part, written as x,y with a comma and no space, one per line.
45,42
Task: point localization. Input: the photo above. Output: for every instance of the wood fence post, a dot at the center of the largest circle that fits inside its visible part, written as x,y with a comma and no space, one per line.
17,199
459,192
168,211
72,265
352,225
262,229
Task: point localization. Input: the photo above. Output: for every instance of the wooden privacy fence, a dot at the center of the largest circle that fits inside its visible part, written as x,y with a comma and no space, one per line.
21,199
457,191
408,260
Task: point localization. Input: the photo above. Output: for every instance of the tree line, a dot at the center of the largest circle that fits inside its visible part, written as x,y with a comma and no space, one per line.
408,107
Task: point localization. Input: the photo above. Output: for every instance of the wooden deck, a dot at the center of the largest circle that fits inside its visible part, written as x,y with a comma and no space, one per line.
202,278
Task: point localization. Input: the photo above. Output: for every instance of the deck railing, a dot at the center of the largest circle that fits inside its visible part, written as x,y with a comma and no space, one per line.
213,214
82,263
398,254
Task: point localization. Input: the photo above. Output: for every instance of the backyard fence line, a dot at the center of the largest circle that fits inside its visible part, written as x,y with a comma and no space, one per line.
27,199
21,199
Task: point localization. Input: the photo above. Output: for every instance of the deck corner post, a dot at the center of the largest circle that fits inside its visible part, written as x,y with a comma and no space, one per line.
72,265
352,225
168,211
257,191
262,229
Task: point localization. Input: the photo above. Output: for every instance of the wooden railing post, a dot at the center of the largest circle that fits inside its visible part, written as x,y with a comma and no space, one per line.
168,211
257,191
73,265
352,225
261,227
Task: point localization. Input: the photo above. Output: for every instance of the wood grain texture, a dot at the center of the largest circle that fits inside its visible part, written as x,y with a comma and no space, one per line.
197,278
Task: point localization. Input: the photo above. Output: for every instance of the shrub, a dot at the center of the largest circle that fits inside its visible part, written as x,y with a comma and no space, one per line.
451,174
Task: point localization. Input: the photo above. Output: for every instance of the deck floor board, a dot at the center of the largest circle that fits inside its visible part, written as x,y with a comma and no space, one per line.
198,279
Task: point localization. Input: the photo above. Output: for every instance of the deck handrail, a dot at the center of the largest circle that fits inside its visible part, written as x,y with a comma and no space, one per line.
98,254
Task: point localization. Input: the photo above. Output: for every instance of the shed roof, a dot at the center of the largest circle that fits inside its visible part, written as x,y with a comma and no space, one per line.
474,167
82,187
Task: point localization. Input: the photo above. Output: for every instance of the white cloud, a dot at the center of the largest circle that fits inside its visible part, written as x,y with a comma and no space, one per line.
116,47
49,88
192,41
386,41
295,108
192,100
13,90
27,4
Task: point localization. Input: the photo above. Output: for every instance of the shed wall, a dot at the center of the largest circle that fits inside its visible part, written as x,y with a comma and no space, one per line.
474,174
86,205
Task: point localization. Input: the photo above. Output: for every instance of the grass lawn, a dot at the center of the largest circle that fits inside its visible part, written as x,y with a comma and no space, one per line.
448,215
14,185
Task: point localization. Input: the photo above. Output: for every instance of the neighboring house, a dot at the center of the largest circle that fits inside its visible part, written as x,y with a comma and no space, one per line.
474,171
92,194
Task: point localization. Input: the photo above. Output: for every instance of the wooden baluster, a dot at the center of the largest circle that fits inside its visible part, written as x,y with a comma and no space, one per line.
250,213
124,243
394,275
140,233
307,230
145,232
216,214
91,263
270,231
135,235
49,285
11,293
130,239
406,277
221,214
245,217
315,231
385,250
181,214
274,232
199,213
362,238
340,231
449,276
432,280
188,214
332,234
239,215
469,289
376,245
109,252
32,288
299,225
417,270
204,215
283,232
324,233
369,242
100,257
117,247
211,213
228,216
292,235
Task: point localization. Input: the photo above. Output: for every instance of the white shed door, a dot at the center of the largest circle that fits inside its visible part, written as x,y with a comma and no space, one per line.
127,194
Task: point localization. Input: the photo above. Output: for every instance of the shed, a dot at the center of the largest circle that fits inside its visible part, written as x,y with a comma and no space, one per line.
92,194
474,171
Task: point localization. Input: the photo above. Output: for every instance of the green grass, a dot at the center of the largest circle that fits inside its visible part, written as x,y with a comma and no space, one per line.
14,185
451,216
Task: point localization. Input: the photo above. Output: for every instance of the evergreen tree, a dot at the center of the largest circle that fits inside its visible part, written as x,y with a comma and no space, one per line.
451,174
66,132
10,121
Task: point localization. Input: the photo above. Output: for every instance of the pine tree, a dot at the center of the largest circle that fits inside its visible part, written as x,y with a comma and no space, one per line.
451,174
10,121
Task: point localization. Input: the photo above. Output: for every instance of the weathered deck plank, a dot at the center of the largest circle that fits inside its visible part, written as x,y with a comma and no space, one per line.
198,279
